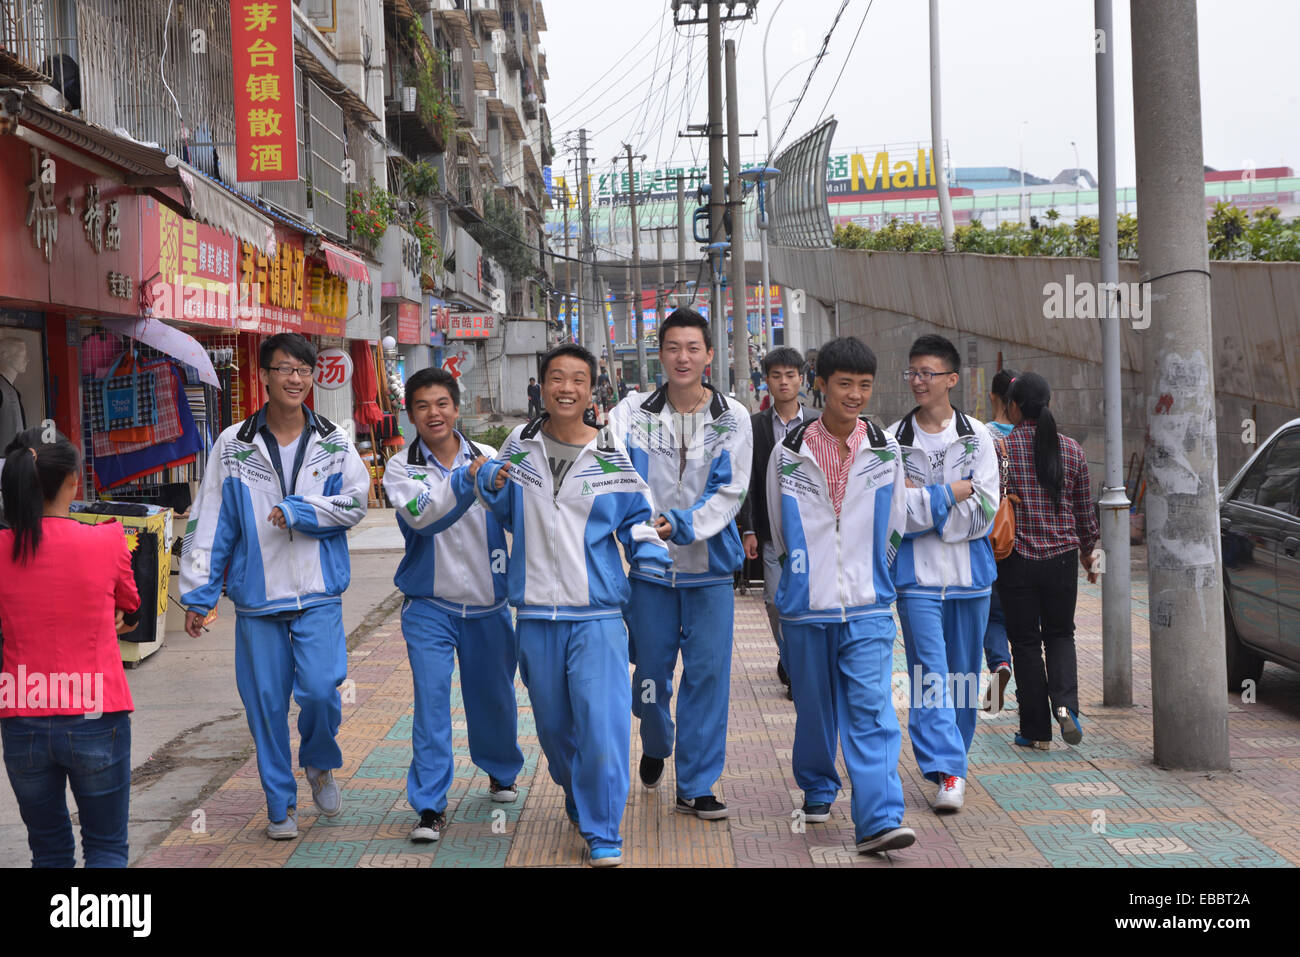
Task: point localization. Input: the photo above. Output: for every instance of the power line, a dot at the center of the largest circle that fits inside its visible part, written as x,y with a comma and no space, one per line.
630,54
839,75
826,41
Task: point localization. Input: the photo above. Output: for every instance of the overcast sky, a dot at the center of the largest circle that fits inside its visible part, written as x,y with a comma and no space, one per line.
621,70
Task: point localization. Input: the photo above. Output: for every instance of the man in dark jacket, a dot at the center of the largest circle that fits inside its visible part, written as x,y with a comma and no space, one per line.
782,369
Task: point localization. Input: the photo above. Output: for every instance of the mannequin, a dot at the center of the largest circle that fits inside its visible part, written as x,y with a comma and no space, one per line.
13,363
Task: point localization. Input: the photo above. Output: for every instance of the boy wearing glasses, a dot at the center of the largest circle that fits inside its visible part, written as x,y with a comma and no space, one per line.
280,491
945,566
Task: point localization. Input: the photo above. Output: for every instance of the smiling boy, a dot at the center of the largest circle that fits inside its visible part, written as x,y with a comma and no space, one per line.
945,567
454,578
837,505
271,518
692,444
567,493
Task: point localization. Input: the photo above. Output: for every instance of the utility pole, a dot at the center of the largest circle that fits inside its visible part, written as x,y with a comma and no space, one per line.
661,290
586,328
568,284
936,131
717,201
1188,670
636,275
679,271
607,331
739,287
1116,580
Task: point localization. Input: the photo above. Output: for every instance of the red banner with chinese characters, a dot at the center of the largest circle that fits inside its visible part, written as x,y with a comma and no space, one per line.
408,323
266,112
188,268
471,326
275,286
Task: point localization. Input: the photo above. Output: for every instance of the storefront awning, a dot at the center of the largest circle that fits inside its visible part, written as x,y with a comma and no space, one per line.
215,205
344,264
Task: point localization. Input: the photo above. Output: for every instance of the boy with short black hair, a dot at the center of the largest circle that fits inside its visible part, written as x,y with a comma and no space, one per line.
692,445
783,369
945,567
572,492
837,506
284,470
453,577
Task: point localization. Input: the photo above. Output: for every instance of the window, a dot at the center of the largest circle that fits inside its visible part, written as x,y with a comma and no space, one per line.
1272,480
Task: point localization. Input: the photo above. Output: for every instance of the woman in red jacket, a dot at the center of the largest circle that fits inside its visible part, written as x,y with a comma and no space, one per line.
64,590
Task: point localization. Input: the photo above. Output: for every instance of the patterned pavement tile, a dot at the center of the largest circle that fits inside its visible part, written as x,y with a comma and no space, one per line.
1102,803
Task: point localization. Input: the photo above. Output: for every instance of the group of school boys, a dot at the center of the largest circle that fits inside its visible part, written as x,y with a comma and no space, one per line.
850,519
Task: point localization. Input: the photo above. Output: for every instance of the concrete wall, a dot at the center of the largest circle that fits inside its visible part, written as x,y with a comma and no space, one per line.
992,307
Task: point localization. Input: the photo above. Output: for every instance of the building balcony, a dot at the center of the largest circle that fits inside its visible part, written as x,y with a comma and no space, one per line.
530,106
486,11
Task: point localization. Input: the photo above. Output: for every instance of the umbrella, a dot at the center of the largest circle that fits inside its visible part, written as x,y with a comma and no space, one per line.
169,340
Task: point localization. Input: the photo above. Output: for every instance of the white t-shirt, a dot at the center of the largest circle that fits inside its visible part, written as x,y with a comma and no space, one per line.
935,444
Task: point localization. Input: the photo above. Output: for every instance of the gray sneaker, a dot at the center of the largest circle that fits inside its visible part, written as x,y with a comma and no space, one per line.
325,792
285,830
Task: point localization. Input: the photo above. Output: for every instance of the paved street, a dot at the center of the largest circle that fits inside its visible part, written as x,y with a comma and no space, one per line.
1102,804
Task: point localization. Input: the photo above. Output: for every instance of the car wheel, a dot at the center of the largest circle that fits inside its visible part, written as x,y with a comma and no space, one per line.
1243,664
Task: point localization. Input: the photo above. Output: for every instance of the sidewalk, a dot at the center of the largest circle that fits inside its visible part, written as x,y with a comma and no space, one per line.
1102,804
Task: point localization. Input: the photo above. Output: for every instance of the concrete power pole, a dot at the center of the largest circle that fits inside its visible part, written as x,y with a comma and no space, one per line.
588,293
936,131
739,311
635,301
1116,579
568,283
1188,670
717,202
679,270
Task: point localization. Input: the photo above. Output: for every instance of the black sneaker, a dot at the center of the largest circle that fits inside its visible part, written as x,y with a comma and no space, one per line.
890,839
652,771
789,693
502,793
781,675
816,813
430,827
706,808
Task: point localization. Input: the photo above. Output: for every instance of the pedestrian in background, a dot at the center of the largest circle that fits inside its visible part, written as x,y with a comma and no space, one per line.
66,591
997,653
1037,582
534,398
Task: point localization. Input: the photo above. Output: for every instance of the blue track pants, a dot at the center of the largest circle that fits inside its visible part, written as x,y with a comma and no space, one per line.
304,654
576,675
698,622
486,649
944,642
840,674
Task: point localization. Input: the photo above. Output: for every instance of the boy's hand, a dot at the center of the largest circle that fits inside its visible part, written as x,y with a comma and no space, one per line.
962,489
119,622
476,465
751,546
193,623
663,528
276,517
500,482
911,484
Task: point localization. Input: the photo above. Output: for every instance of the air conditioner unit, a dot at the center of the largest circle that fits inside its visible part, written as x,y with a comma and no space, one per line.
408,99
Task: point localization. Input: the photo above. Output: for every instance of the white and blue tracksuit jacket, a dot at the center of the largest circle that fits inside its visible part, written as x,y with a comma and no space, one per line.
946,551
836,568
701,503
455,549
270,570
564,565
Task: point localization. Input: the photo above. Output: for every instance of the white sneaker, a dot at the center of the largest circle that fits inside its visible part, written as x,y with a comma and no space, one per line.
951,794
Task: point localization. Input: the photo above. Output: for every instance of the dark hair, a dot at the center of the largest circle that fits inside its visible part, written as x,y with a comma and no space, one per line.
1002,382
845,355
936,346
290,343
567,349
684,318
1031,393
34,472
427,377
784,356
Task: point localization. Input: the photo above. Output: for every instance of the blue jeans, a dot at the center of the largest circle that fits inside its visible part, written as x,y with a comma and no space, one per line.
42,755
996,647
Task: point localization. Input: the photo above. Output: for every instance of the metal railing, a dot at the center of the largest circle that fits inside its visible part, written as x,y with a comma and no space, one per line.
328,152
29,34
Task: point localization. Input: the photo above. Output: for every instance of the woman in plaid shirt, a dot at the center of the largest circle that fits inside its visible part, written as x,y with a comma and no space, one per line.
1037,583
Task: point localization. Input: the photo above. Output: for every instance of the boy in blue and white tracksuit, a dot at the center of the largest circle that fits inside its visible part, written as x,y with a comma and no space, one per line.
698,483
285,582
454,578
568,587
837,534
944,574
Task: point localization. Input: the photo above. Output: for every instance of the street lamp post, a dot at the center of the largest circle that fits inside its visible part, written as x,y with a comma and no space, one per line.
763,223
1076,180
761,175
1024,203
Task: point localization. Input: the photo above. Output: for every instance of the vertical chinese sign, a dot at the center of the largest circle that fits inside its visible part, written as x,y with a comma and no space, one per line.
266,112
